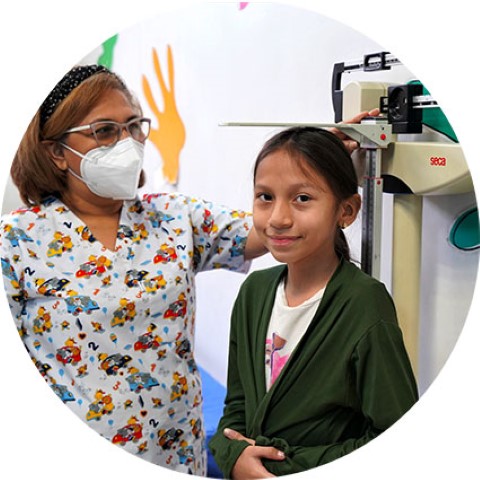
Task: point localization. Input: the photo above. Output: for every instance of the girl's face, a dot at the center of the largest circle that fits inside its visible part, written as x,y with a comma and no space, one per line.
294,211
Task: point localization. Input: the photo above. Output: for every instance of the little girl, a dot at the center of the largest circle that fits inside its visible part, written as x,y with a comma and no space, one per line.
317,364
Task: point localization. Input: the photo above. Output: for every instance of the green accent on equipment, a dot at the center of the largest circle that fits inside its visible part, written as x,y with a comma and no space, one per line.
436,119
465,232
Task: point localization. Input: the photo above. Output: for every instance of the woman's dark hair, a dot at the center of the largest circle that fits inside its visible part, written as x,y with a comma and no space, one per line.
325,153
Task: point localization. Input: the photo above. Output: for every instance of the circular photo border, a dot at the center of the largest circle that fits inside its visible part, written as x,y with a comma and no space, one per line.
446,413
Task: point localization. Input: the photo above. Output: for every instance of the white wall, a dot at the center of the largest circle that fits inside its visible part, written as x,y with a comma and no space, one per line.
272,62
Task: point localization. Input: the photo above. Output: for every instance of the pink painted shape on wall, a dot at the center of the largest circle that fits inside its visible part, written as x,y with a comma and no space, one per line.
243,5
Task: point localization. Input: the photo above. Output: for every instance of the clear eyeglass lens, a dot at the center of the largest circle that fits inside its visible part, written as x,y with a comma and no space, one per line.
109,133
139,129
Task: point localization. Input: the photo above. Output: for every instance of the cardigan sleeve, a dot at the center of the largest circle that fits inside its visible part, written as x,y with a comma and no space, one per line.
386,387
225,451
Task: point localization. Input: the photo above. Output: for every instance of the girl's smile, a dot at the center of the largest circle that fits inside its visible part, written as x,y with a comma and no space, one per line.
282,241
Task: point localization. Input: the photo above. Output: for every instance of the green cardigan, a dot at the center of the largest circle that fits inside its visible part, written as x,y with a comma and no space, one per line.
348,380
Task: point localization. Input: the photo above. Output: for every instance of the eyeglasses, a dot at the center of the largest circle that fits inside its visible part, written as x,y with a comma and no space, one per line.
107,133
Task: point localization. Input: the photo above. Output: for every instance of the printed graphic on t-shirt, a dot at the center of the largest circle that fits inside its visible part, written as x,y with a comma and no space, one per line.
274,360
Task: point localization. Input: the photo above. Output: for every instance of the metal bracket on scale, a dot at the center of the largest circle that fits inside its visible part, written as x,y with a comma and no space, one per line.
373,134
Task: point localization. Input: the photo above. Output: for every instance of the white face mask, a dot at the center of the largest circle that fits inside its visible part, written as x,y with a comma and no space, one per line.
112,172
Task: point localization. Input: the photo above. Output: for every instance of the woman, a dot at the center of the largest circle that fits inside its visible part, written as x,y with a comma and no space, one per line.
101,283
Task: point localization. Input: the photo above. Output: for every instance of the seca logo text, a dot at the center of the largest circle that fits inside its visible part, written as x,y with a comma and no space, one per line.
438,161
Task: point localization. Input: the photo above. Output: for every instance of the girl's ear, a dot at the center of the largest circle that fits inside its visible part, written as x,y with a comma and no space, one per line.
349,209
56,152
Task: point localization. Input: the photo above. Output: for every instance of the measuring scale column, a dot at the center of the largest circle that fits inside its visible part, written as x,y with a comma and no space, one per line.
372,204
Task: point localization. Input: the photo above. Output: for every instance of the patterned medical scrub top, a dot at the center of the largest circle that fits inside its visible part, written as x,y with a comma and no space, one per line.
112,331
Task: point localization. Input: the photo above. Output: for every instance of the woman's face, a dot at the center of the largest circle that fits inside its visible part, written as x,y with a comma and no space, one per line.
112,106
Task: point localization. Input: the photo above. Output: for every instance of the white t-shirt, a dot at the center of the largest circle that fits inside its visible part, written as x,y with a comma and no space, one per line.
287,326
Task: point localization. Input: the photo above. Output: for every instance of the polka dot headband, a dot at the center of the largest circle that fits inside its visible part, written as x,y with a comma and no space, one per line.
65,86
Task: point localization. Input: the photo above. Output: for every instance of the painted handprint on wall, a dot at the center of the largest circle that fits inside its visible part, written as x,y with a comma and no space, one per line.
169,134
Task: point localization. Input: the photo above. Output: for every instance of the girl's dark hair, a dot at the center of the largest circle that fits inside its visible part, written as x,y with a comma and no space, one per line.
325,153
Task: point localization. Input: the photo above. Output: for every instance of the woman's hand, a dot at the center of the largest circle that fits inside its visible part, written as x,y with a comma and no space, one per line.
352,145
249,464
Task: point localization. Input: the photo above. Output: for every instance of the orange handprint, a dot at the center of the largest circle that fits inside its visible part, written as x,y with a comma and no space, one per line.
169,136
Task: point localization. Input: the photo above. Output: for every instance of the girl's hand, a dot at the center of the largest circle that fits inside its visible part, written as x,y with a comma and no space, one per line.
249,464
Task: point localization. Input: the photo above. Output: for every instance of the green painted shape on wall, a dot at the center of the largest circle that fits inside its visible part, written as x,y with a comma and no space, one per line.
106,58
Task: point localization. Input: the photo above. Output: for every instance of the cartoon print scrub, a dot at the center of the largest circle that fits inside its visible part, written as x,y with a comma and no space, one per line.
116,347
